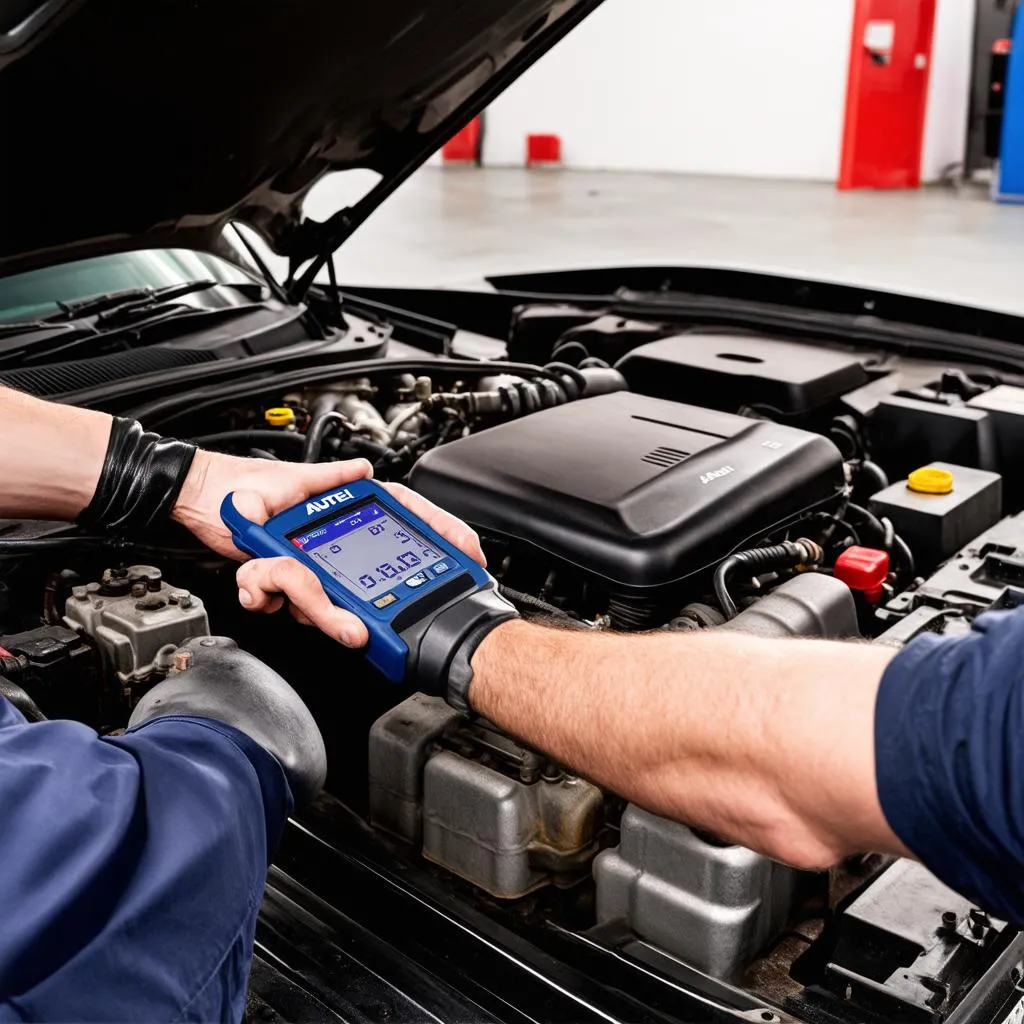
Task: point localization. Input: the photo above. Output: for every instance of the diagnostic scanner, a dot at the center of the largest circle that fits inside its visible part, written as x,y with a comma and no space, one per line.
381,562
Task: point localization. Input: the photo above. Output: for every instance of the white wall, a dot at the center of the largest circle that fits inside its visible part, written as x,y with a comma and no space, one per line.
945,129
745,87
738,87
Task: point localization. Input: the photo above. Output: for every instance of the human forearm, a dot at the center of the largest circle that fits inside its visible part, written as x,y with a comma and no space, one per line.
761,742
51,456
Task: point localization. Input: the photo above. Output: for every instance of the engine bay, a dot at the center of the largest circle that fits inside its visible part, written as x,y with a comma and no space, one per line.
622,481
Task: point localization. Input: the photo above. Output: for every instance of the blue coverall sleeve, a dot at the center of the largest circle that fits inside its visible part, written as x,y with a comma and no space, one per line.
949,752
132,868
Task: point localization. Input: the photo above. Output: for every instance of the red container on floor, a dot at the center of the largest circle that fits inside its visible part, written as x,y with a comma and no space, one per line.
464,147
543,149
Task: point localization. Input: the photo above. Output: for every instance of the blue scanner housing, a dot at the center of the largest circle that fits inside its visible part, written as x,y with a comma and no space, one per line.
373,557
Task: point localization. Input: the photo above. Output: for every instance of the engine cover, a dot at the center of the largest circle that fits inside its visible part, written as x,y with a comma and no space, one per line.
727,372
641,491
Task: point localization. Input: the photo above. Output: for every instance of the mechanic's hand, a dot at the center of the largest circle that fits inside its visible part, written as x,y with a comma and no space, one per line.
263,489
274,486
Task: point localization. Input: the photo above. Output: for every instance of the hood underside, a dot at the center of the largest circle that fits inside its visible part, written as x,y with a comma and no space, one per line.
132,125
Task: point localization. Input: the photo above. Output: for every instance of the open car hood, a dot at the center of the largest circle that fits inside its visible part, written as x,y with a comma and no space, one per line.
129,126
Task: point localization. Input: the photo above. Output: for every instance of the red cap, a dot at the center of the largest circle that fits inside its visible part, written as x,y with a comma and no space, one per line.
864,569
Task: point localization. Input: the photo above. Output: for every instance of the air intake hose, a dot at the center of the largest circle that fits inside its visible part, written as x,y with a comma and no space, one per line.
812,605
758,561
514,396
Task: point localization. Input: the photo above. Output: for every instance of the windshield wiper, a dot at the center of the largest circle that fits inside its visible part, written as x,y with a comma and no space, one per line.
175,318
105,315
131,298
118,320
19,327
104,307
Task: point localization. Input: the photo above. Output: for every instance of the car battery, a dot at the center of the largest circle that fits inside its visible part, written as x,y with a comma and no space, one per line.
939,509
1004,406
911,432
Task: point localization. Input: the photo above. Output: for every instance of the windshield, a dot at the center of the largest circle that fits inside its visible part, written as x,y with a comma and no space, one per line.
38,292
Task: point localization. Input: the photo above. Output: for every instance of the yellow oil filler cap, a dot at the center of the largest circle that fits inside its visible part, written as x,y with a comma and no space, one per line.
931,481
279,417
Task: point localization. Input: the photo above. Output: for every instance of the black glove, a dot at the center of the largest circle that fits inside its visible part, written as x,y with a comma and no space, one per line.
230,686
141,479
441,662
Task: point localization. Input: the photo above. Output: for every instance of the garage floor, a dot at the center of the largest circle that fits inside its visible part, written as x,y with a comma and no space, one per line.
451,226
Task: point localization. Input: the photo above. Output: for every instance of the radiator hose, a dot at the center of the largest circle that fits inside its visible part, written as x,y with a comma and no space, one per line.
756,561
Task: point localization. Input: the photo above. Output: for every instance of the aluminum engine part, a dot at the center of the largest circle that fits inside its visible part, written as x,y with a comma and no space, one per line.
399,747
716,907
506,831
136,619
506,836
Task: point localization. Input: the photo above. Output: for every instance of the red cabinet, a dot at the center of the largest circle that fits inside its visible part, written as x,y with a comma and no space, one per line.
887,93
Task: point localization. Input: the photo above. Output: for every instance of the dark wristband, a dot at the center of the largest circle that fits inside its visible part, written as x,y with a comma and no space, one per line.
443,661
141,479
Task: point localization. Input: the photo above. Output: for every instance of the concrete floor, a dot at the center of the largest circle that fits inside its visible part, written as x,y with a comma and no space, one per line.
452,226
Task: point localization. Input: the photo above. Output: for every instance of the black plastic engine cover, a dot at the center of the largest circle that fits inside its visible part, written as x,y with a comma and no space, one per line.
728,372
638,490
